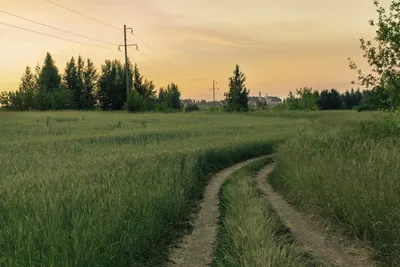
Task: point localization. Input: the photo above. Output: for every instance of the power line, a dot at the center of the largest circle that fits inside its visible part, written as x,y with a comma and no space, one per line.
52,27
151,48
152,60
56,37
107,24
81,14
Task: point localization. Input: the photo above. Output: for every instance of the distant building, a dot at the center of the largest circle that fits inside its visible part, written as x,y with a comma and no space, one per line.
253,100
203,103
271,101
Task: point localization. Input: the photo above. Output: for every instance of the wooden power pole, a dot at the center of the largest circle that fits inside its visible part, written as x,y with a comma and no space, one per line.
126,60
213,89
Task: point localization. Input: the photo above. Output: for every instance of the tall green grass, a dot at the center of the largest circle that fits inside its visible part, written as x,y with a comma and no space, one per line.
349,173
110,189
251,233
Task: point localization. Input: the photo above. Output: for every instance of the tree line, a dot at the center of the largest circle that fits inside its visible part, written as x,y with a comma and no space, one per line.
83,87
308,99
381,82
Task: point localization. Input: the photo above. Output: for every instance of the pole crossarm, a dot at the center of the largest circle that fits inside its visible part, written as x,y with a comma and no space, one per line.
137,47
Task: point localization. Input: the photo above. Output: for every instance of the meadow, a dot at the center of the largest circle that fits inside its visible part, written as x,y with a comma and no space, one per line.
114,189
347,172
110,189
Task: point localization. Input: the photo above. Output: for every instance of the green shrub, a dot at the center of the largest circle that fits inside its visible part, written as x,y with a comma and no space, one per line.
136,102
61,99
367,107
191,107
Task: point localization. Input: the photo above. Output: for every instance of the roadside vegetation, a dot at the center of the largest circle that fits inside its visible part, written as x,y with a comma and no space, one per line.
347,172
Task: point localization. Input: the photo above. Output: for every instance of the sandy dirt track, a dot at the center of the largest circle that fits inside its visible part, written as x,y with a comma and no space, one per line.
197,248
328,249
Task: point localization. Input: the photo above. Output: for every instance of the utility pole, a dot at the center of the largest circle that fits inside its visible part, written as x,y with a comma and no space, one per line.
213,89
126,59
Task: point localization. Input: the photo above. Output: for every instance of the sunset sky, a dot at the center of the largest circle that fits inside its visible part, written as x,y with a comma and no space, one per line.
281,45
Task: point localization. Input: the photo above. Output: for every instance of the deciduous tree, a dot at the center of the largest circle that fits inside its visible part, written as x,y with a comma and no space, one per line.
383,56
90,79
112,89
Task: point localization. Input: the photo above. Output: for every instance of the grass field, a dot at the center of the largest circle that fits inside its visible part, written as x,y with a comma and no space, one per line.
112,189
348,172
108,189
251,233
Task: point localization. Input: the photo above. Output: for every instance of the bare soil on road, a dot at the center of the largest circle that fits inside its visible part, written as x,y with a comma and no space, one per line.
197,248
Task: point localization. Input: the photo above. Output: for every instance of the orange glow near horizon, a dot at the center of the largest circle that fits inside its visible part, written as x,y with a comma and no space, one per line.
280,45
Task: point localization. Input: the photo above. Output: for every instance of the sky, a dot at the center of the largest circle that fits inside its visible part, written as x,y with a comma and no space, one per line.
280,45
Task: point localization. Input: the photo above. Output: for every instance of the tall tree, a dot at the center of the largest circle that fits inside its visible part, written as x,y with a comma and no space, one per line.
292,101
49,78
330,100
237,97
347,99
81,80
28,81
24,98
112,89
103,93
137,80
162,95
71,80
371,100
38,70
351,99
383,56
357,99
169,98
79,90
144,87
174,96
90,78
308,100
148,92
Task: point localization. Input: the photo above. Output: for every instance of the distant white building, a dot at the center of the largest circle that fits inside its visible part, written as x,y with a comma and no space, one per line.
271,101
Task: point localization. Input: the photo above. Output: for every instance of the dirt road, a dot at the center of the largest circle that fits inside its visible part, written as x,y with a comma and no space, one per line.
331,250
197,249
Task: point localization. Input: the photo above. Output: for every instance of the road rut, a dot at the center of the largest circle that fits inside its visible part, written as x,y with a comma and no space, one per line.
197,248
328,249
